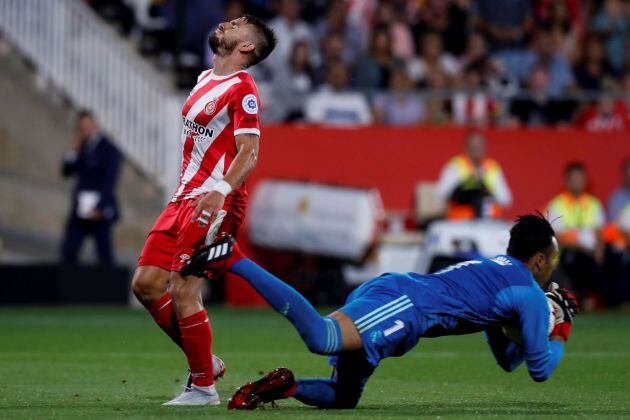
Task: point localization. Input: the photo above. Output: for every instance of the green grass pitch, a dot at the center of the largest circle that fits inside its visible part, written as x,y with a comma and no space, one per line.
86,362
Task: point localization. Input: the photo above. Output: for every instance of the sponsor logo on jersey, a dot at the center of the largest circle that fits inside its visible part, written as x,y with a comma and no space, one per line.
501,261
195,129
250,104
211,107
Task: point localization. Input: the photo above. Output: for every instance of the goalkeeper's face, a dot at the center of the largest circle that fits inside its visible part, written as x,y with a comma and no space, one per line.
545,263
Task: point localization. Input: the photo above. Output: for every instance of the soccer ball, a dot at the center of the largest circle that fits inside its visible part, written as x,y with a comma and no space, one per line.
513,332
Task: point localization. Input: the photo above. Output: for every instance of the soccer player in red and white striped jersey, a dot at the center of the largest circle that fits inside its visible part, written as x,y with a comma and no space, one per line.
220,136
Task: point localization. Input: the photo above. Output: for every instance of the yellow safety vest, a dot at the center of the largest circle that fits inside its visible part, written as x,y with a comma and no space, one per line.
577,213
465,168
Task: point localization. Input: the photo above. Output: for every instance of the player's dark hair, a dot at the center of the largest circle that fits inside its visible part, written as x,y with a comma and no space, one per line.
84,113
574,166
265,39
532,233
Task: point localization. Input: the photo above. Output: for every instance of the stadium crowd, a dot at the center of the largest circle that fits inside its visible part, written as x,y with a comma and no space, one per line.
408,62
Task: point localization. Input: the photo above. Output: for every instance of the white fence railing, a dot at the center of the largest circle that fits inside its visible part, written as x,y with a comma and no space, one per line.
89,62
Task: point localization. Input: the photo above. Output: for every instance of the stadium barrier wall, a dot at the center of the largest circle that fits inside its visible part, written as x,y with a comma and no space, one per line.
393,160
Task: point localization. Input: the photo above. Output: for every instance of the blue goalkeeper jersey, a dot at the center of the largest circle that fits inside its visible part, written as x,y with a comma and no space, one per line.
472,296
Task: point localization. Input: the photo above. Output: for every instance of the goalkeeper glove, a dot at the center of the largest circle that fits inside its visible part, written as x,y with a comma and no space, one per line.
565,307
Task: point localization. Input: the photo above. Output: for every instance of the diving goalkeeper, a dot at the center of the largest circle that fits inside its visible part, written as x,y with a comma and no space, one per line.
386,316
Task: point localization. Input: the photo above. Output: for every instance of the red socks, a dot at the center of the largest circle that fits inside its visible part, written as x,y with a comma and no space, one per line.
193,334
196,336
164,315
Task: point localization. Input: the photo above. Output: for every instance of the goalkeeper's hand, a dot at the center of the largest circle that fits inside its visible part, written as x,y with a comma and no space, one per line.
565,307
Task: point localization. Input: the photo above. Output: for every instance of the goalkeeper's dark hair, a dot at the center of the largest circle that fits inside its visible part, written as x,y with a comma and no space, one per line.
532,233
265,39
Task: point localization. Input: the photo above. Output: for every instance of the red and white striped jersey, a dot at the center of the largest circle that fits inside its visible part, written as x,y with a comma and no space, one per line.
218,109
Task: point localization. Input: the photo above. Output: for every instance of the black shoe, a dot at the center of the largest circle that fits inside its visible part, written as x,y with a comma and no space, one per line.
276,385
207,257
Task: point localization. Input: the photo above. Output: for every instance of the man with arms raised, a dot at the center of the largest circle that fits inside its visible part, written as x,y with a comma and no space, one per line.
220,138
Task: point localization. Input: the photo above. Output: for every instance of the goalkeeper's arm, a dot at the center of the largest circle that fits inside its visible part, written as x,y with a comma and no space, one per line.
541,354
508,354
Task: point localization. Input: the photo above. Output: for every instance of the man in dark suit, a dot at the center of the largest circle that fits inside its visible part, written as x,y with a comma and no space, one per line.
95,161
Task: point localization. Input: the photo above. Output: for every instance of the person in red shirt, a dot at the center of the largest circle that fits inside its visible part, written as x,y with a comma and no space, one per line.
220,137
607,115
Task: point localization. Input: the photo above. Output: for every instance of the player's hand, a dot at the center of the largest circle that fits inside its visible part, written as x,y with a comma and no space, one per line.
563,302
565,307
207,206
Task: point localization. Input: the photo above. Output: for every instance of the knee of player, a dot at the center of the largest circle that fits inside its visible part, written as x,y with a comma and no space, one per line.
143,285
541,377
347,401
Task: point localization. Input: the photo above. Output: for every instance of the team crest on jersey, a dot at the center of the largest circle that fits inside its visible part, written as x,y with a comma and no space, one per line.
211,107
250,104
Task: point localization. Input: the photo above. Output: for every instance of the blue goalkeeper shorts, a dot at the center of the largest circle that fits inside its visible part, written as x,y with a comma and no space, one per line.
386,318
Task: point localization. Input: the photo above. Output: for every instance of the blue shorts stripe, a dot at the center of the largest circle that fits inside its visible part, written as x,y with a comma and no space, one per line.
381,319
381,308
383,312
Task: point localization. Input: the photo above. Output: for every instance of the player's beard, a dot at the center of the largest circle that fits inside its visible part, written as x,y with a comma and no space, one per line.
221,46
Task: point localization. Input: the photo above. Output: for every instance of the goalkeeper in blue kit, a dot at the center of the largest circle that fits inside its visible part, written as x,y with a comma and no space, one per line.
386,316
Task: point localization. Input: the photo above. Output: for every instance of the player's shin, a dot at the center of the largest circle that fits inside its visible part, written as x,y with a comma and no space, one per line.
164,315
196,336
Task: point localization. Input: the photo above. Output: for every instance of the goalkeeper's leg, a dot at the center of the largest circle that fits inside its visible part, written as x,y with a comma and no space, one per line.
322,335
344,389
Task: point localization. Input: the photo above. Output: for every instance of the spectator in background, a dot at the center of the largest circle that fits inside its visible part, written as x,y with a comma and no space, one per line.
334,104
289,29
544,54
578,219
391,16
472,184
617,266
292,84
449,19
117,12
400,105
436,103
336,21
537,108
505,24
432,59
476,49
372,71
620,198
331,51
612,24
607,114
593,69
95,161
562,17
472,105
520,63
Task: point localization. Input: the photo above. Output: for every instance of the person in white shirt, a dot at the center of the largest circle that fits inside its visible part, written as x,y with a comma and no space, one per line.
334,104
289,29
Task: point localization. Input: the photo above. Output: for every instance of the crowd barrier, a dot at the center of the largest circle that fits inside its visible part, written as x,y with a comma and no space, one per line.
394,160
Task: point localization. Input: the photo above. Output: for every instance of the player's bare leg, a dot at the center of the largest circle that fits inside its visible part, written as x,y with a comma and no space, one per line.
149,284
350,337
196,338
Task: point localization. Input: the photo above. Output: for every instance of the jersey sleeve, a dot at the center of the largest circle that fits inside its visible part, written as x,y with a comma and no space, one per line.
245,105
541,355
508,355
